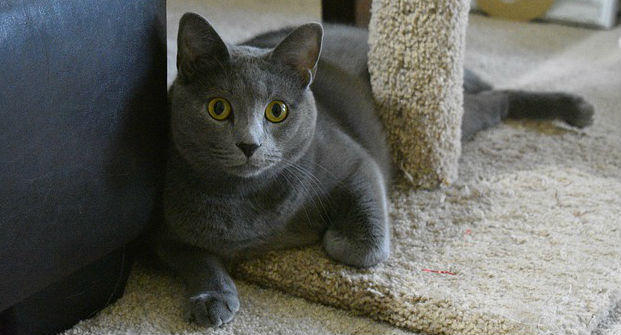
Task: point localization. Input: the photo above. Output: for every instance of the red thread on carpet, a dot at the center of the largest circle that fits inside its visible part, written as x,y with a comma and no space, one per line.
440,272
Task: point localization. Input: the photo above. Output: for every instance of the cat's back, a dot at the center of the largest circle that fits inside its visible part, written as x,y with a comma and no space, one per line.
343,91
345,47
345,104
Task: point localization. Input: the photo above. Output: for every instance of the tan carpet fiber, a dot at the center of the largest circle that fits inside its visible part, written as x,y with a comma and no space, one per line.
416,56
531,232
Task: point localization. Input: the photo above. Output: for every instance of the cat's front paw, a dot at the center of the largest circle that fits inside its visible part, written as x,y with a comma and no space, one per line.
362,252
579,112
212,309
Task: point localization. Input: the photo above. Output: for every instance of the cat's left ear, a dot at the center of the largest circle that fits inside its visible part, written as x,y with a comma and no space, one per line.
300,50
198,45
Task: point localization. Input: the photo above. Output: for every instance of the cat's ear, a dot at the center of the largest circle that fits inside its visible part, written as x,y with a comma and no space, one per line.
198,45
300,50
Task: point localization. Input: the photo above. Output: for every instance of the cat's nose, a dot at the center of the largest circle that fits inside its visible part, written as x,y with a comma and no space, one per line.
248,148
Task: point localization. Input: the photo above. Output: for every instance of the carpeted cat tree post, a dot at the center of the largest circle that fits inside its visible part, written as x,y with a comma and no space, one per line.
416,66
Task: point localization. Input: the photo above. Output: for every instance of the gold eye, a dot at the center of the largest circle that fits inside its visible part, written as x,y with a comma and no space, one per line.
276,111
219,109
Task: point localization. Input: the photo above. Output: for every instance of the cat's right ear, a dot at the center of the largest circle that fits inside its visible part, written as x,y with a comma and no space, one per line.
198,45
300,50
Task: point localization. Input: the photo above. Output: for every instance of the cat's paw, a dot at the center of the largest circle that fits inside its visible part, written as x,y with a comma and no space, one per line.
359,253
212,309
578,112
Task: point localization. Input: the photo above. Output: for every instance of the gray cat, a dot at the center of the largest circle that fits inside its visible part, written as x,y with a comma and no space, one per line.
272,147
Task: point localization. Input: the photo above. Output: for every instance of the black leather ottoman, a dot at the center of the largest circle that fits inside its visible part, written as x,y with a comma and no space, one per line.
82,153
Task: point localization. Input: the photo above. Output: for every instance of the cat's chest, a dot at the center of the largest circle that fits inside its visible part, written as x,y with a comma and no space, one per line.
241,223
251,216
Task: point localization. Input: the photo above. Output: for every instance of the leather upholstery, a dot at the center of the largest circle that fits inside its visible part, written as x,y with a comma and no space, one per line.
76,297
82,133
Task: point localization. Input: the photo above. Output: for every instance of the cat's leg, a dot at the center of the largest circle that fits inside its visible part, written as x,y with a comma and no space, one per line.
482,111
474,84
358,233
488,108
212,296
571,108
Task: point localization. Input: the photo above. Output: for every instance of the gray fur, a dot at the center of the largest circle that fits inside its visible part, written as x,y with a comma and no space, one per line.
320,175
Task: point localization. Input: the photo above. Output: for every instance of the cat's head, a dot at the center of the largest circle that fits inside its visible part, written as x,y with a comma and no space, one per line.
241,110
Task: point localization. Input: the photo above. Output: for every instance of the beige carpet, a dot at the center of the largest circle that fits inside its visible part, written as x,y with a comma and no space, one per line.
531,233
